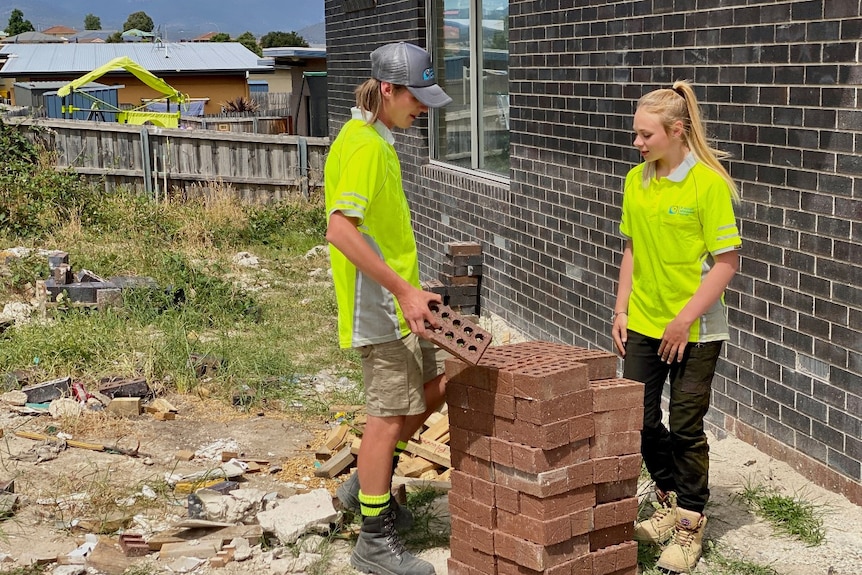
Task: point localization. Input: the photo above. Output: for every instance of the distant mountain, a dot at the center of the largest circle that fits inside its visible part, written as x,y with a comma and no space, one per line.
174,20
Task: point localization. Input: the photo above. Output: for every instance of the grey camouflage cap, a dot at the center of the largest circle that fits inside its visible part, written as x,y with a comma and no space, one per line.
409,65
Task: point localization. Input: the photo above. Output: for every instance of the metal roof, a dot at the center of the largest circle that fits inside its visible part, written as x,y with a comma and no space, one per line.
295,52
158,58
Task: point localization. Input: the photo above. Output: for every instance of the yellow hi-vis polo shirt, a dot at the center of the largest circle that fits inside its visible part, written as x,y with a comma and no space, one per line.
676,224
362,179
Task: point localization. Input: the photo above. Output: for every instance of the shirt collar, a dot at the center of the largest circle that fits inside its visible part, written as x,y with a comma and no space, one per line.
678,174
365,115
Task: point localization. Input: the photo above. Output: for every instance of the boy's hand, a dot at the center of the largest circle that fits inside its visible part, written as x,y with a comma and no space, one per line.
415,305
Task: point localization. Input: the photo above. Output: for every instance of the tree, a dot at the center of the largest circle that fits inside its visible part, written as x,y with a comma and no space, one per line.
17,24
221,37
282,39
92,22
114,38
248,40
139,21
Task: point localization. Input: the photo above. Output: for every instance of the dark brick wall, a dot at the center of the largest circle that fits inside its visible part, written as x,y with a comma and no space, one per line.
781,89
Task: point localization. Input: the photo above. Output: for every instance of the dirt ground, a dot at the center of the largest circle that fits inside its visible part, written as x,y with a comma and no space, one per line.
49,523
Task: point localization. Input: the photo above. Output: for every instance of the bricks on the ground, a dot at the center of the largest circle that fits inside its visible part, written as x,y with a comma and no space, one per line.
57,258
125,387
125,406
540,466
133,545
48,390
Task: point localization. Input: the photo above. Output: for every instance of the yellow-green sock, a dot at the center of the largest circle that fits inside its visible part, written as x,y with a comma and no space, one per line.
373,505
399,449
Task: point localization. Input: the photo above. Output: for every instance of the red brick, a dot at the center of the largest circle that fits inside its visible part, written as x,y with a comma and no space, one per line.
615,513
455,567
546,483
600,364
548,436
471,465
501,451
582,521
483,491
601,538
541,532
461,372
538,557
471,510
562,505
507,498
479,538
610,560
456,394
616,490
630,466
618,420
610,469
463,552
582,565
543,411
617,393
461,483
469,442
471,420
615,444
582,427
526,458
547,377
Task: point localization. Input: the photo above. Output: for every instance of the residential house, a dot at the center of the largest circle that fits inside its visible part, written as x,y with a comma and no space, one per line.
62,32
299,72
215,72
530,161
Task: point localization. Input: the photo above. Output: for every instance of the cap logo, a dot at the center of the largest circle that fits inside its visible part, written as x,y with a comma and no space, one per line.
428,74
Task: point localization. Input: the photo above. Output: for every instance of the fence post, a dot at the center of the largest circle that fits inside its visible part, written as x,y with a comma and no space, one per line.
303,166
145,158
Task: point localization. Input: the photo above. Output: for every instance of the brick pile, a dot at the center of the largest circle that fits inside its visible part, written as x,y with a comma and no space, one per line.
545,450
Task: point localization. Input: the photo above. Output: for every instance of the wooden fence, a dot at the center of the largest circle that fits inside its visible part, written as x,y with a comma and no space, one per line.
260,168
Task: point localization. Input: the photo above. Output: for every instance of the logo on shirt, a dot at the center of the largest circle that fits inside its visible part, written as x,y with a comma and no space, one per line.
680,211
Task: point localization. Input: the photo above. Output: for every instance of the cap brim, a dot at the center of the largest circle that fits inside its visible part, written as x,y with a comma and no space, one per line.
432,96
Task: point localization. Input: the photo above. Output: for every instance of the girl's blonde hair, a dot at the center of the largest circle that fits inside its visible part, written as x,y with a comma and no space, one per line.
369,98
679,104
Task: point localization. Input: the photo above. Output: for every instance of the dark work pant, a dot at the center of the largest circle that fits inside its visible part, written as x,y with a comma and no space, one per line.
677,458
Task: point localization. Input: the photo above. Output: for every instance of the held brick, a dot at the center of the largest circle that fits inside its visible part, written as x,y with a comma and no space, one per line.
617,393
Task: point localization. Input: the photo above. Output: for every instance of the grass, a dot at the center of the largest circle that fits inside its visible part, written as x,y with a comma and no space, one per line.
430,528
790,515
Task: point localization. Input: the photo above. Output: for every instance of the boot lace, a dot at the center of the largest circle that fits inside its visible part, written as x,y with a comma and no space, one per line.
684,534
393,541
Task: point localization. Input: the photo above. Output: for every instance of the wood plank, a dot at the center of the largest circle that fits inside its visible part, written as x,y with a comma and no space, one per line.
438,429
335,437
431,450
338,463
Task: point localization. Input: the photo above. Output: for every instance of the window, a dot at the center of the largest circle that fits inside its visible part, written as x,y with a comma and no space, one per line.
473,131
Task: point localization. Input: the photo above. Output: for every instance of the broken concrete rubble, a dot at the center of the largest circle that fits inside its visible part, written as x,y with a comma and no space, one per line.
290,518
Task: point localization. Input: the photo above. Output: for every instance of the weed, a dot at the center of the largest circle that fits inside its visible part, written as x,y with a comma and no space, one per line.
27,570
430,526
789,515
722,565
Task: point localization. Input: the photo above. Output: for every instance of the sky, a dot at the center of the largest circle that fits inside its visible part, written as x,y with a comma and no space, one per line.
175,19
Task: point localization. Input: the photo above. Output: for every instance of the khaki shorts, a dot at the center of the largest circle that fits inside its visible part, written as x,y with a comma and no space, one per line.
395,373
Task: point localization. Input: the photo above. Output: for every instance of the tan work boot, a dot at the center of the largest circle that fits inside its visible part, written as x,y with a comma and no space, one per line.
659,527
686,546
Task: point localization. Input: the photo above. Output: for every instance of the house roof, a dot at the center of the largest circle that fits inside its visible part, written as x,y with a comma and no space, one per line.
168,58
92,36
298,52
31,37
59,31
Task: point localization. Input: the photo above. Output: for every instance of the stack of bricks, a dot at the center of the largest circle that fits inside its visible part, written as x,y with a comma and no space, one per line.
460,277
545,450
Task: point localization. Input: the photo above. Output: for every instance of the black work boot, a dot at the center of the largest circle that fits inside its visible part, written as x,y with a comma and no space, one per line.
348,494
379,550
